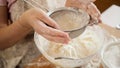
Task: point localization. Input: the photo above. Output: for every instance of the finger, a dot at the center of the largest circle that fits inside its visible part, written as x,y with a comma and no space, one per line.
92,0
93,11
41,28
84,7
56,39
46,19
76,3
99,20
50,22
57,33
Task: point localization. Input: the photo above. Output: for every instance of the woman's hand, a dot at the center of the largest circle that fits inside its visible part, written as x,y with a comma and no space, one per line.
38,20
86,5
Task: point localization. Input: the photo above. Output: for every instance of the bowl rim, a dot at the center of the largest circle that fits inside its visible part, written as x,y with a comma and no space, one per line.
113,43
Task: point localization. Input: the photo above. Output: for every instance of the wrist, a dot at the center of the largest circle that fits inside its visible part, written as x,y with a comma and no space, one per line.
24,25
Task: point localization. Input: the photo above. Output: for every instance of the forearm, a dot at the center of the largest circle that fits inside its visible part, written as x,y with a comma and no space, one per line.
11,34
28,21
78,3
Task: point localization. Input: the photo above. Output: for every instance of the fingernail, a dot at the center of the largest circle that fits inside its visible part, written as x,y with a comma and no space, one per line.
67,41
58,27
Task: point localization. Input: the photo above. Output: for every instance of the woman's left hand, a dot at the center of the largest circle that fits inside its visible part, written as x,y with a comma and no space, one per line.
86,5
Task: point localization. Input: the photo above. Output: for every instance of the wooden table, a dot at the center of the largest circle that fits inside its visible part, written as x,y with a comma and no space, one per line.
44,63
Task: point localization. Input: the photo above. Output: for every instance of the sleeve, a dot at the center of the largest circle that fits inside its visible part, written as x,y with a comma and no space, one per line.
3,2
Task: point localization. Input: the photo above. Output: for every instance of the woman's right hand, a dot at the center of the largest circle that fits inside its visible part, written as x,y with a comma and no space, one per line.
37,19
86,5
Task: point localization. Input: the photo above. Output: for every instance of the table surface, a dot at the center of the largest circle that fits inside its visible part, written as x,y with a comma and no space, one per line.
44,63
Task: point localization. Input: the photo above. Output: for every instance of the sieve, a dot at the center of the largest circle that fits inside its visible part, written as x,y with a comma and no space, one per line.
71,20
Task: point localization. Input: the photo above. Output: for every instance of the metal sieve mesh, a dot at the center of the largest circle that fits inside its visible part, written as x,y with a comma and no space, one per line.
70,19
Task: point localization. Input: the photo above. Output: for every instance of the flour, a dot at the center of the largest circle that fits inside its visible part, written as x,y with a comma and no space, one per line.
112,56
70,19
85,45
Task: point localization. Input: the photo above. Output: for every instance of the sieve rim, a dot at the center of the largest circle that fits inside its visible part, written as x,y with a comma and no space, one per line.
72,10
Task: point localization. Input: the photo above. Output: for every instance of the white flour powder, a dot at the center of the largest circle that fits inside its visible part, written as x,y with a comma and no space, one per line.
85,45
112,56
